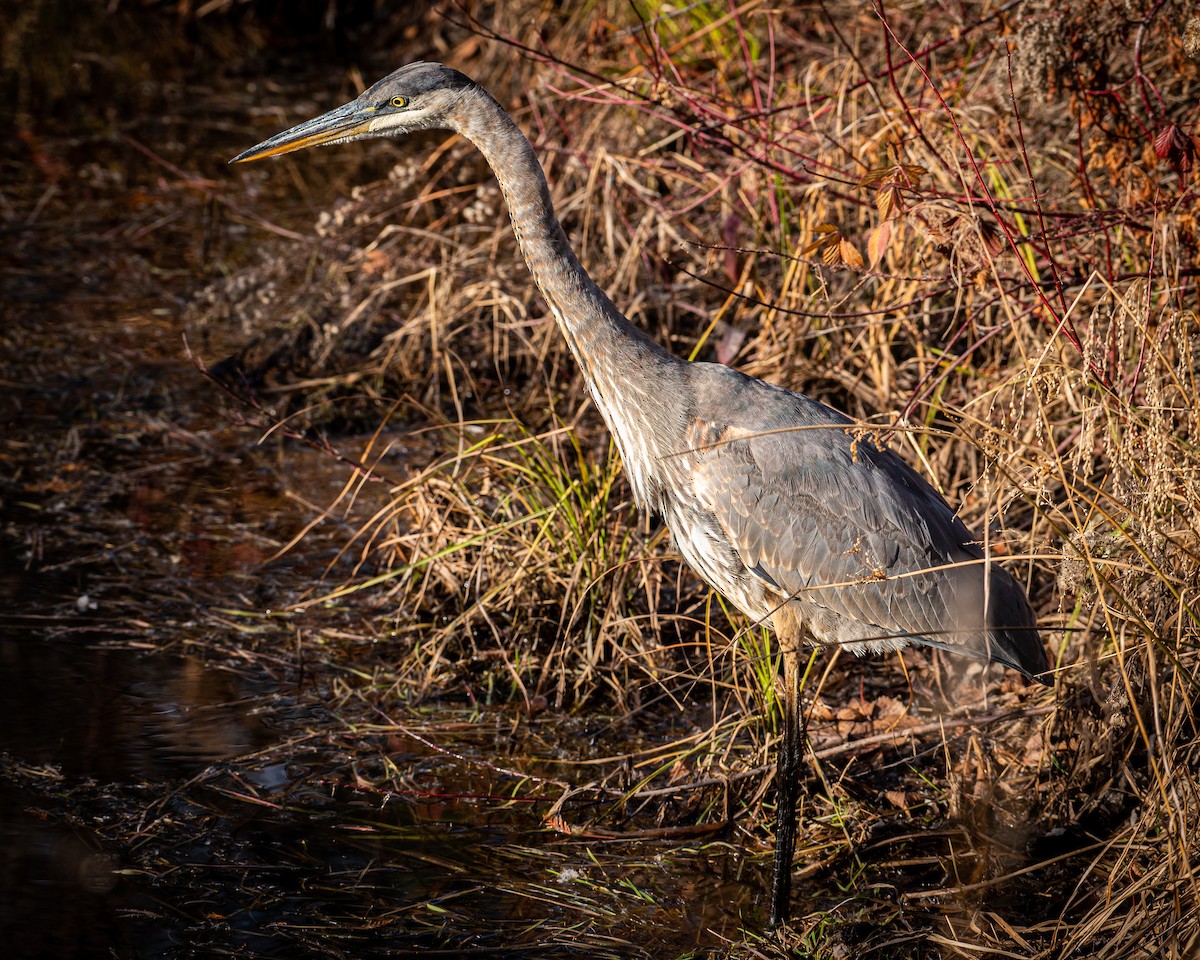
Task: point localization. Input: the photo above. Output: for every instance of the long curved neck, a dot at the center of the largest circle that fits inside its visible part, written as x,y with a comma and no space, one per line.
624,368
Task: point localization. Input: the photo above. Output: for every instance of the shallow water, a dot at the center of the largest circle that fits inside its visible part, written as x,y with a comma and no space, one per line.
116,714
74,712
158,796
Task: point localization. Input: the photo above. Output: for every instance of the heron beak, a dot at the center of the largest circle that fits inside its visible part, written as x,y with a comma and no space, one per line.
347,122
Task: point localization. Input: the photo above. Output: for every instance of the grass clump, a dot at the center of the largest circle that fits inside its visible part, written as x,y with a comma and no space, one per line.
523,544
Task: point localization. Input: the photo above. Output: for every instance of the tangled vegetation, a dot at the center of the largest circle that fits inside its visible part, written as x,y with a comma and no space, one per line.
972,227
977,231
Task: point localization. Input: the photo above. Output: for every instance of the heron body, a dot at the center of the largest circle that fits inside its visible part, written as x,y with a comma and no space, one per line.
779,502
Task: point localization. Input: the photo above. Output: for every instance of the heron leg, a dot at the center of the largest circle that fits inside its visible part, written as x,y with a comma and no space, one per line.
791,753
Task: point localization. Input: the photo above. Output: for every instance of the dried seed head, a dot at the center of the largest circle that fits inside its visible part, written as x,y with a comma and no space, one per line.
1191,38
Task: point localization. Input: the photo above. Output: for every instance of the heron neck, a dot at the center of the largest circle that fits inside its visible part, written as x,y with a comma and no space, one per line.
624,368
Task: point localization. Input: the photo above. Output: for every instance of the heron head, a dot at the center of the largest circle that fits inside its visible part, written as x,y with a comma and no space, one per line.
419,96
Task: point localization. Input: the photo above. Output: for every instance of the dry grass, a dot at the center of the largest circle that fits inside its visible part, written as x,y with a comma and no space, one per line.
958,228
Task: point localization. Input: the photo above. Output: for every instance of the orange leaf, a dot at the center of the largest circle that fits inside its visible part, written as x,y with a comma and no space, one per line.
874,176
878,241
849,255
885,202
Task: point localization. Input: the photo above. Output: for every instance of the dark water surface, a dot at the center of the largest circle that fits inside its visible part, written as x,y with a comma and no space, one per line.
73,711
260,847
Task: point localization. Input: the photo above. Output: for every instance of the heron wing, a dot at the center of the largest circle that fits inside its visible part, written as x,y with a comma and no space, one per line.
816,509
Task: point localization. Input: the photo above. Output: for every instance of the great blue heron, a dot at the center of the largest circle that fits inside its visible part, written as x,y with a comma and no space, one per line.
776,500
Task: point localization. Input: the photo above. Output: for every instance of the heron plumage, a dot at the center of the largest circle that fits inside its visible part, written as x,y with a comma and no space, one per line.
870,555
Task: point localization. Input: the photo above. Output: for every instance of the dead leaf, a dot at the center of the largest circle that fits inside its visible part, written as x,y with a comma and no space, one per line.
878,241
834,248
849,255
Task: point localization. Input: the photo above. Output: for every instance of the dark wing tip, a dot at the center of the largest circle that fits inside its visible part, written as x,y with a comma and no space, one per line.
1021,648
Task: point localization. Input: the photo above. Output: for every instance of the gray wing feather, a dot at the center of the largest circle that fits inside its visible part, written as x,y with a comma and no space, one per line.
836,522
830,528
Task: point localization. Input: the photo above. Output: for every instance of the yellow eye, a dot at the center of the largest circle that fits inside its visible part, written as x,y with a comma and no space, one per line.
399,102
